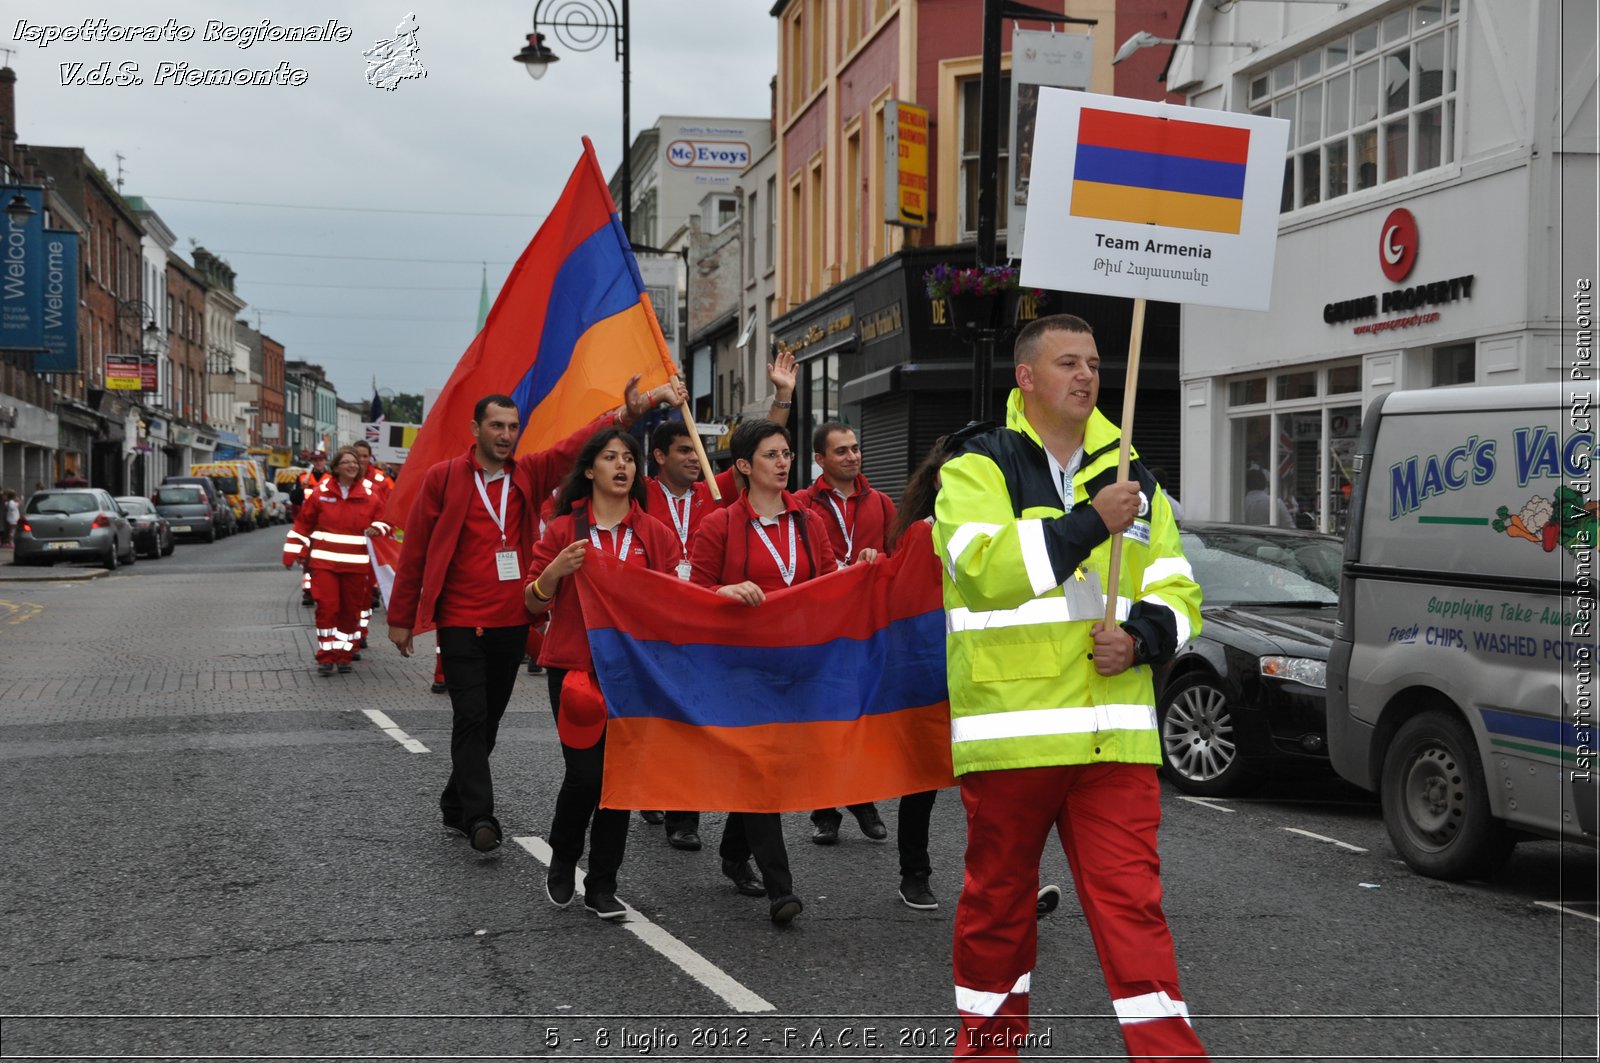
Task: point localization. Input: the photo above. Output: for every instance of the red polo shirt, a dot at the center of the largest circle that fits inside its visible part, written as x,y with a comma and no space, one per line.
474,595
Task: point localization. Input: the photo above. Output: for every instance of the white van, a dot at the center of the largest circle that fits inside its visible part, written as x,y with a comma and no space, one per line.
1461,677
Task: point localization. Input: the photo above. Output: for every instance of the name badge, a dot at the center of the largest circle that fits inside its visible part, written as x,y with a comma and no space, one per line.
684,570
1139,532
1085,598
505,564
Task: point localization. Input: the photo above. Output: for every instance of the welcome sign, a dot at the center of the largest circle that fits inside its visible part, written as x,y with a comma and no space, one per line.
21,269
1150,200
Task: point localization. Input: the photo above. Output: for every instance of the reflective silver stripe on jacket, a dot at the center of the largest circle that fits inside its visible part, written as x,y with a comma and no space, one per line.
1034,723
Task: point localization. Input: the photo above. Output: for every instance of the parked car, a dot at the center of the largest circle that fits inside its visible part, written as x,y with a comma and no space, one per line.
152,535
188,511
275,503
1249,691
74,524
223,512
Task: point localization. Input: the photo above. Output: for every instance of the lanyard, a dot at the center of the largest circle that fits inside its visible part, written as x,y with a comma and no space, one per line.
849,536
681,525
622,552
786,573
505,490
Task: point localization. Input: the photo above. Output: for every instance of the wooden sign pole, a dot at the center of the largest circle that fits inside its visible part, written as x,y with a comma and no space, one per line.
699,447
1130,391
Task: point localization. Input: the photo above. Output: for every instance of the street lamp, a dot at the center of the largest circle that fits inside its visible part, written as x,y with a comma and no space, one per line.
152,341
582,25
19,210
1144,39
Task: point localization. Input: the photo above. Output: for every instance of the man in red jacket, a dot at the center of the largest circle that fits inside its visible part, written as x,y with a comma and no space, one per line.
858,517
470,532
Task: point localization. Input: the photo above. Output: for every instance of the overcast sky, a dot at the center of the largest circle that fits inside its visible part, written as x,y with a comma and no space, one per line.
426,181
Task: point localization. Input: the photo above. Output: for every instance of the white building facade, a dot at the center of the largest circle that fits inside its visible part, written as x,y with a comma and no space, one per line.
1438,217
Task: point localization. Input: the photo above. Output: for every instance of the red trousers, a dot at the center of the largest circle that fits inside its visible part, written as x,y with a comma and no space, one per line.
340,597
1106,816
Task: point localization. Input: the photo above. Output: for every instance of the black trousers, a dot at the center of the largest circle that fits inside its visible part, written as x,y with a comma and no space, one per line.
911,832
481,667
759,834
578,808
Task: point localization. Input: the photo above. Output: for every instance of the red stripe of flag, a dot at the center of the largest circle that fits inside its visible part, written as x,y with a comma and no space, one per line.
1163,136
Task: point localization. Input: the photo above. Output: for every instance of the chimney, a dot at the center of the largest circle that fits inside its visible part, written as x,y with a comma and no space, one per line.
8,112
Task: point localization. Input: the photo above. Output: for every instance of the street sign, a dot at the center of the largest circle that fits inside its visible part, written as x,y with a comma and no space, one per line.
905,158
124,372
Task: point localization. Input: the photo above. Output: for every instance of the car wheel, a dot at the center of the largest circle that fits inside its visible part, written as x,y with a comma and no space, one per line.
112,559
172,544
1199,740
133,552
211,534
1435,804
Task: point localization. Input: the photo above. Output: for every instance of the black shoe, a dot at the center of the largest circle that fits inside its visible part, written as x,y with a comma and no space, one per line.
485,836
686,840
306,599
438,688
915,892
325,669
362,644
560,882
605,905
356,654
1049,899
871,823
654,818
785,908
533,667
743,877
345,667
825,834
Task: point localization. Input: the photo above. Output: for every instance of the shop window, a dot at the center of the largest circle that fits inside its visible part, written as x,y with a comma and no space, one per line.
1292,466
1247,392
1344,379
1376,105
1297,385
1454,364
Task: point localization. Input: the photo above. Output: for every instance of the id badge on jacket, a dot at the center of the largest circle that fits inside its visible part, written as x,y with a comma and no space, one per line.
505,565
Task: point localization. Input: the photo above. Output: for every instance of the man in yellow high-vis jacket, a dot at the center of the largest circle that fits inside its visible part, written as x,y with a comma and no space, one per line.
1053,718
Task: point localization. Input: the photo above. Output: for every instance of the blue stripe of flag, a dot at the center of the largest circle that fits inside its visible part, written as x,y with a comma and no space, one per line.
1164,173
1533,728
597,281
741,686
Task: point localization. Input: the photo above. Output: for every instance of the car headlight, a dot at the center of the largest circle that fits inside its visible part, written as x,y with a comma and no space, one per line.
1303,670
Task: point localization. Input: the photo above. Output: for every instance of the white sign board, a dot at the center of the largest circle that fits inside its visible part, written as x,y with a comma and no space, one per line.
1039,58
660,275
390,440
1155,201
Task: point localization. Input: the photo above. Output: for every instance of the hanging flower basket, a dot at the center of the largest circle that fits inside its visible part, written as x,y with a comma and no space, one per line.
978,297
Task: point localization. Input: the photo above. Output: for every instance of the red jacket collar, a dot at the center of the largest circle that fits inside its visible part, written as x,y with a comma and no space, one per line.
791,504
858,487
581,506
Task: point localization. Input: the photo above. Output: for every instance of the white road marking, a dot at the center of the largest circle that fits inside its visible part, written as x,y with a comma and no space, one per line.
382,720
1565,910
1325,838
689,961
1205,802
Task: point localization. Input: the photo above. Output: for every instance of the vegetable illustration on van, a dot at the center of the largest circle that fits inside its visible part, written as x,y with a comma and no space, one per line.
1565,521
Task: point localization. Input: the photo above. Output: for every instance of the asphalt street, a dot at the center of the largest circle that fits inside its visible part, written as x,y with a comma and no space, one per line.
210,851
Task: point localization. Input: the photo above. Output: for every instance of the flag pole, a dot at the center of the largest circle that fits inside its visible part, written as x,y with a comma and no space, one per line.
1130,389
694,437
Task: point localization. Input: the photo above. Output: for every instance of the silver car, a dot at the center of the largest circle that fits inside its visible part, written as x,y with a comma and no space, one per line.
74,524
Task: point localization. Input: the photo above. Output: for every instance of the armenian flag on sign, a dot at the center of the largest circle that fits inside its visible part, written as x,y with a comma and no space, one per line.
829,693
1159,171
571,324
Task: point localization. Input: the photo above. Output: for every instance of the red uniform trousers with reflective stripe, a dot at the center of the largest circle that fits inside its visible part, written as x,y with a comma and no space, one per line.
1106,816
340,597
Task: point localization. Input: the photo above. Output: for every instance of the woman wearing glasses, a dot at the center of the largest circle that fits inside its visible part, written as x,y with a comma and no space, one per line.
764,542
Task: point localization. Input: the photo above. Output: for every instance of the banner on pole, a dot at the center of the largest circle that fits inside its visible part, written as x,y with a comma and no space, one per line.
1154,201
1039,59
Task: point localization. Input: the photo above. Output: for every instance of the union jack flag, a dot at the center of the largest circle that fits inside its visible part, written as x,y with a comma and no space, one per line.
373,433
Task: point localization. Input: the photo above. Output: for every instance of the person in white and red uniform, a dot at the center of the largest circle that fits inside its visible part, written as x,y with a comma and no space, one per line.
470,530
383,487
330,534
303,488
857,517
597,510
766,541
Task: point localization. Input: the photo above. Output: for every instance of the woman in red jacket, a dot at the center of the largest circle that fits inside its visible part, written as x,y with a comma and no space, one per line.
600,507
764,542
330,532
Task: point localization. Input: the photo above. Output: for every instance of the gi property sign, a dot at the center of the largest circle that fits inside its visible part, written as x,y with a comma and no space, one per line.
1149,200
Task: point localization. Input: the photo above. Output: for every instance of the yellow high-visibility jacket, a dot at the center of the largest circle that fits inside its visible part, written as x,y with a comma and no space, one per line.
1023,692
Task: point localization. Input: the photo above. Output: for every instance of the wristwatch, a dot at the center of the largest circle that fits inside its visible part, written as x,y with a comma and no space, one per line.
1140,651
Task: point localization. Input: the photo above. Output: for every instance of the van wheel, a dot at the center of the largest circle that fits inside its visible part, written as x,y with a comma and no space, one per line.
1199,739
1435,805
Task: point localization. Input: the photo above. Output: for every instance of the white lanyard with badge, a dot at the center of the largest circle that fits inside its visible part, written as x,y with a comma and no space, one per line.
681,526
505,558
849,536
786,573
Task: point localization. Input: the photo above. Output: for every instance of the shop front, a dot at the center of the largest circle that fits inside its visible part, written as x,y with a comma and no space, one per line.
1399,295
29,436
876,353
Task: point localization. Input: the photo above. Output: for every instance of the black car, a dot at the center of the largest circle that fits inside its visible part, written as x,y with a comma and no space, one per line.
152,535
1248,692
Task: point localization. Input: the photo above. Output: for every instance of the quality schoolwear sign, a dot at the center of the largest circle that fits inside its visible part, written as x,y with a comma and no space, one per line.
1150,200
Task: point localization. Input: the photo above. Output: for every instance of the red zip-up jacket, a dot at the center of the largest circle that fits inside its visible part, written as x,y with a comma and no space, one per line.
653,546
440,508
721,550
330,529
868,512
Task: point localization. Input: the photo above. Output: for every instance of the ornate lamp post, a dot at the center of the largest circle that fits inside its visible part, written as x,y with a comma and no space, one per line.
582,25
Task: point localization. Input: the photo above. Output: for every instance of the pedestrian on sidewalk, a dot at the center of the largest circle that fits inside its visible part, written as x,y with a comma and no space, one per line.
11,518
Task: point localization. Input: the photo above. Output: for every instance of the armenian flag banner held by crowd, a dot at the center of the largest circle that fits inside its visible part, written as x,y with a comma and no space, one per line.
827,694
571,324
